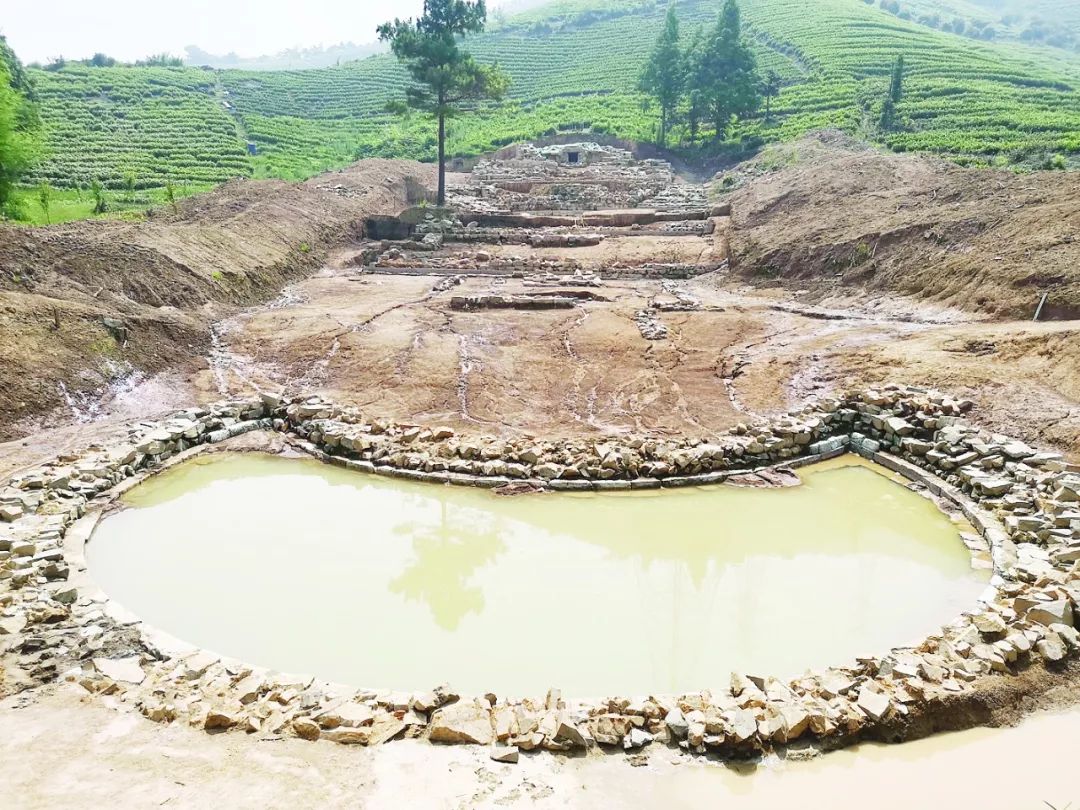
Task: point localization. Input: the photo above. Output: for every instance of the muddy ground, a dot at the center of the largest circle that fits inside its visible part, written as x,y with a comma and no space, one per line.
62,747
97,308
974,244
393,344
255,287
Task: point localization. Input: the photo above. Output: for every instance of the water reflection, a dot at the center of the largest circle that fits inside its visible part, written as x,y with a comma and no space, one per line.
446,554
302,566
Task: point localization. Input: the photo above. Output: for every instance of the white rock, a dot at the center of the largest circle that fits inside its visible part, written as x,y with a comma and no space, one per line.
462,723
874,704
1057,612
124,670
504,753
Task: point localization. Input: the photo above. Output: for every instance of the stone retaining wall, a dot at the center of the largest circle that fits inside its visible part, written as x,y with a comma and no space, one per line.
1025,504
518,267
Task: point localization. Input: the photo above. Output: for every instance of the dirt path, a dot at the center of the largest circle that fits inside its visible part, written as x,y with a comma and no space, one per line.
60,749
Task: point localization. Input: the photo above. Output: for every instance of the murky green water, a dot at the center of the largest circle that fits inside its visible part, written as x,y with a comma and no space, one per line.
369,581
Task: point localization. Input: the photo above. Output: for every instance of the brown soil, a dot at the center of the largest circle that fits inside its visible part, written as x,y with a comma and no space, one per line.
616,250
164,279
392,343
835,214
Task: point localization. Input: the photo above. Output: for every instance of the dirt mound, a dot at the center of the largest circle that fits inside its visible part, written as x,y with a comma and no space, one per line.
92,305
828,212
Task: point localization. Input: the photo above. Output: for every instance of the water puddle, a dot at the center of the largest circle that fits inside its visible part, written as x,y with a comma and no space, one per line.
368,581
952,770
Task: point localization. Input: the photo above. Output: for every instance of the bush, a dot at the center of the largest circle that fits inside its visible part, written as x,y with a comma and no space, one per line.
97,191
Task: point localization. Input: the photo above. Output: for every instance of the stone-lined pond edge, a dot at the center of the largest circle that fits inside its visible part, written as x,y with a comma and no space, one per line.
55,622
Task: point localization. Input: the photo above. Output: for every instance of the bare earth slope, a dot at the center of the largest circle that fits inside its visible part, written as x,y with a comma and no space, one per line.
164,279
831,213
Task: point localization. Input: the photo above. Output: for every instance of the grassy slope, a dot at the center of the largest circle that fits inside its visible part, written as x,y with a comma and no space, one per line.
69,205
963,98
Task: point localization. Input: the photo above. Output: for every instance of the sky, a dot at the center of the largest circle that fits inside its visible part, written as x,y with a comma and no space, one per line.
132,29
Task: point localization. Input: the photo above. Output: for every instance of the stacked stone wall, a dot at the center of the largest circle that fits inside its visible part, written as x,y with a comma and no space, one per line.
1024,503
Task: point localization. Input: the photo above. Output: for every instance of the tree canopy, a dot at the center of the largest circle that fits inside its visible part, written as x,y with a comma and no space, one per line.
716,73
18,121
664,76
725,73
444,75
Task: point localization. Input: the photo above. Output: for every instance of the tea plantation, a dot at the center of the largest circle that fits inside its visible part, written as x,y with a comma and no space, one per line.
574,66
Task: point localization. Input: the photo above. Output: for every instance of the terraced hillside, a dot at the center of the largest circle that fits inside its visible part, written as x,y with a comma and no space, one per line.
152,123
574,65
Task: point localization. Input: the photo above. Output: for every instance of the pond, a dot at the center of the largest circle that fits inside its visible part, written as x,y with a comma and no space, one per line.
375,582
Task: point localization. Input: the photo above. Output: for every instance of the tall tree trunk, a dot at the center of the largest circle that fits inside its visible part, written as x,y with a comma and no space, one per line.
442,158
663,125
767,97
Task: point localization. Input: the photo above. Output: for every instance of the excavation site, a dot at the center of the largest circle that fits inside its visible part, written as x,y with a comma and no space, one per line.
609,472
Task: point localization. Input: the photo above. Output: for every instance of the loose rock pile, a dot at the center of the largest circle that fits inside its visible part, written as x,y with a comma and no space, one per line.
650,326
1025,504
469,303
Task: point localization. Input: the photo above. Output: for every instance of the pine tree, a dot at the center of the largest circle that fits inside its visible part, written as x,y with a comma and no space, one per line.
725,75
664,75
444,76
692,58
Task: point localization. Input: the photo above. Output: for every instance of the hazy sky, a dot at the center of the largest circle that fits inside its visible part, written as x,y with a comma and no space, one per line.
132,29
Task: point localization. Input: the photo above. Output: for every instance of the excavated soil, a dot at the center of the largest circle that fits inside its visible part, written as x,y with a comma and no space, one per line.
742,342
393,345
163,281
841,217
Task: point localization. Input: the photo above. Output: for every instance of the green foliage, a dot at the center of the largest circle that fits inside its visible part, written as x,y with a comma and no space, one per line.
887,120
67,204
664,75
97,192
19,81
861,254
718,72
896,82
170,194
160,60
44,197
770,87
1055,162
130,181
18,144
724,73
444,76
